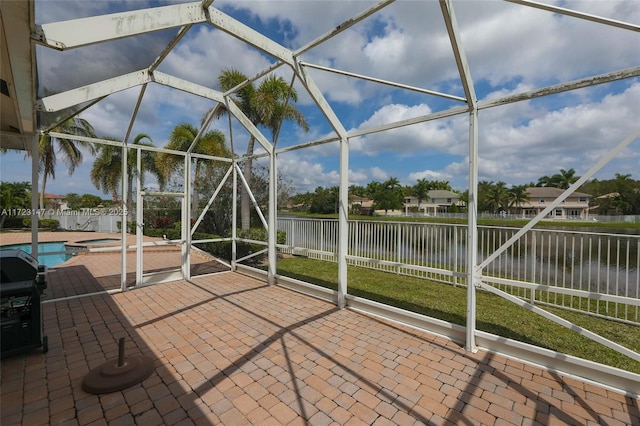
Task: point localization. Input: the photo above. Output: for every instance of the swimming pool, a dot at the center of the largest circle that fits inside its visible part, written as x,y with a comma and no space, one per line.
49,260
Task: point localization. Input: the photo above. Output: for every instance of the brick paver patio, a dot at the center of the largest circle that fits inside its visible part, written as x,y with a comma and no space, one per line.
231,350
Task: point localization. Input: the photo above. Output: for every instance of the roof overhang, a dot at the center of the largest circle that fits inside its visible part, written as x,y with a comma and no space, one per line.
17,66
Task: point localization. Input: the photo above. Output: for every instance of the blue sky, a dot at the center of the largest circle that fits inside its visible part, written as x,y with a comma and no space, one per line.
510,49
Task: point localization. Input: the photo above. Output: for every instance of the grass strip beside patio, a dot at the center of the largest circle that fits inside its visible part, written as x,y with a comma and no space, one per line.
494,314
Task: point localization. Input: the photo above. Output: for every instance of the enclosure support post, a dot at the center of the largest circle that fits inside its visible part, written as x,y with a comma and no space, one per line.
343,222
473,273
123,223
185,229
234,217
343,211
272,219
139,220
35,161
472,231
139,205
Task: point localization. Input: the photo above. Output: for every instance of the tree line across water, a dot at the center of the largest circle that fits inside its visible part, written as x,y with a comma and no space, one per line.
617,196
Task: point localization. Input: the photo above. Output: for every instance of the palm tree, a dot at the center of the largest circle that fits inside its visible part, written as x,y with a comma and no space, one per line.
441,184
464,198
562,180
68,148
498,196
420,190
518,195
565,178
545,181
106,173
181,138
392,183
483,203
265,106
14,195
388,195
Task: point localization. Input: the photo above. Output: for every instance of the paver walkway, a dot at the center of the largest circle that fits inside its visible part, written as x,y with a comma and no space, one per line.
231,350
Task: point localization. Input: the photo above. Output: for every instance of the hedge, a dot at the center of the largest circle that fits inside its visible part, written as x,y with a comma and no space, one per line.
13,222
42,223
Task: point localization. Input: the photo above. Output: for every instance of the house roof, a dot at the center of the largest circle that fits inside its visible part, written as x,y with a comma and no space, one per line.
358,199
54,196
609,195
441,193
547,192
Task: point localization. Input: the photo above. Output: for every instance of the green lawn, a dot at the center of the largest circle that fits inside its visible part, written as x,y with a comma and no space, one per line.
494,314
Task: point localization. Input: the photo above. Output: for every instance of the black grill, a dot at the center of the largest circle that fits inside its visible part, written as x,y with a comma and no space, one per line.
22,282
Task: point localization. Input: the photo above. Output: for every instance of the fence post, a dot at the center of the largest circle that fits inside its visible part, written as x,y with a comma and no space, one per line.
398,247
455,255
322,234
534,263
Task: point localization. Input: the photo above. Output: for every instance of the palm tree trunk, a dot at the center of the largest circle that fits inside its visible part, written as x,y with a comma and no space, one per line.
194,201
44,185
130,213
245,206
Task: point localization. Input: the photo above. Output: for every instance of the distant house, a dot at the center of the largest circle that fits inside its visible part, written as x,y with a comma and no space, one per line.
361,205
438,201
56,202
576,206
606,204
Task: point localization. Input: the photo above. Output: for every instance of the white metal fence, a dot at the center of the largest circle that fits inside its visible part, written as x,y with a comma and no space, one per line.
591,272
79,220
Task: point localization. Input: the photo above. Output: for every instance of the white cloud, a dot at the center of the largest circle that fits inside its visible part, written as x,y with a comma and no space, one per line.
407,42
307,176
358,177
428,175
572,137
389,49
418,137
198,56
379,174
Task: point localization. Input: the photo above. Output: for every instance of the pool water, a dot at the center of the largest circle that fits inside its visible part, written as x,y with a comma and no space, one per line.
49,260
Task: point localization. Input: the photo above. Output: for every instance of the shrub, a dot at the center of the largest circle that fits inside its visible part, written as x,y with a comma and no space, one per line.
13,222
42,223
260,234
163,222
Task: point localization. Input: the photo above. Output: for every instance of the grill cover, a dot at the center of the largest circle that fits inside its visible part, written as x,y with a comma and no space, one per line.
16,265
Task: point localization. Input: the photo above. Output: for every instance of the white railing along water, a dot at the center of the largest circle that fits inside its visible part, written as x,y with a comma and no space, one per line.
595,273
